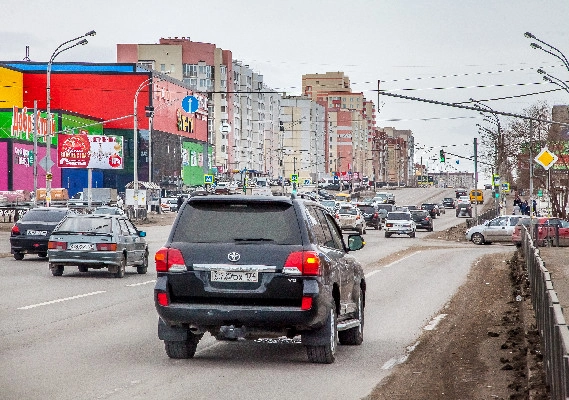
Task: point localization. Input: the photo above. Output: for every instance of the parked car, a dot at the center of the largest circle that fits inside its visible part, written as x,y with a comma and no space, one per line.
350,218
280,268
499,229
523,221
30,234
399,223
343,197
168,204
381,198
97,241
423,219
448,202
370,214
549,229
432,208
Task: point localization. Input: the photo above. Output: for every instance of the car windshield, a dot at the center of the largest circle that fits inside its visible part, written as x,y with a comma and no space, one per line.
50,215
86,224
230,222
398,216
386,207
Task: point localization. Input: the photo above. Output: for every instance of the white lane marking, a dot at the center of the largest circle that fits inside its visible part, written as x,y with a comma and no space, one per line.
141,283
392,362
60,300
434,322
391,264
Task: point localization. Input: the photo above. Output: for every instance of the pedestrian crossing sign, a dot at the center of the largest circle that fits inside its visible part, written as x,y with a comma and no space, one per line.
294,178
208,179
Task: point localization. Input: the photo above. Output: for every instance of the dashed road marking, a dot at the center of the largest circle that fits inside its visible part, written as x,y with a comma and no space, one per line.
141,283
61,300
391,264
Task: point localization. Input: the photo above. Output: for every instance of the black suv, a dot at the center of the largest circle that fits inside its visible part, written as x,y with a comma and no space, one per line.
31,233
448,202
256,267
371,215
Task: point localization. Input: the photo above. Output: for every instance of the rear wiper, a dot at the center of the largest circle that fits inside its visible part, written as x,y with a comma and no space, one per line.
253,240
96,233
66,233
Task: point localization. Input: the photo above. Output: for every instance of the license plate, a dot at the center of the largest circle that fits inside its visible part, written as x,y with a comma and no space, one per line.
81,246
31,232
234,276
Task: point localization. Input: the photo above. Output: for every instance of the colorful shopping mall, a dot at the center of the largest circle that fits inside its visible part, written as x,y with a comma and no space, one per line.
93,105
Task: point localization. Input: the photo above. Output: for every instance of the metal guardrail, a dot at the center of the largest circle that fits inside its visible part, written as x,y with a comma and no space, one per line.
551,324
486,215
11,214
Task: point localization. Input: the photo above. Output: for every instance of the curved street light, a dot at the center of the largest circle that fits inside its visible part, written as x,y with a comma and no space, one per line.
557,53
552,79
60,49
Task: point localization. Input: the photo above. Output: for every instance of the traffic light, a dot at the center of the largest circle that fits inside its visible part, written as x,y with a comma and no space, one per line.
149,111
442,156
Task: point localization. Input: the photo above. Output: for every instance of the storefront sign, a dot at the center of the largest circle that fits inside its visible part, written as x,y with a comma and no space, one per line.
23,157
184,122
90,151
23,124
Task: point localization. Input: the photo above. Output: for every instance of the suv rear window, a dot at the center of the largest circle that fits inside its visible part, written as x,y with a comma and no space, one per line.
367,209
225,222
44,215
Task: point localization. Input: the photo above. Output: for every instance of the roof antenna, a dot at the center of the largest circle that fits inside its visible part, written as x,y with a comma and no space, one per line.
27,57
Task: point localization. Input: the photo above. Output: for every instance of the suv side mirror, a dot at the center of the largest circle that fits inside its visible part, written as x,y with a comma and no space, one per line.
355,242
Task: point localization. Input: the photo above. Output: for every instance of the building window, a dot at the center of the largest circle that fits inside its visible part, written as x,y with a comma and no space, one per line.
162,67
190,70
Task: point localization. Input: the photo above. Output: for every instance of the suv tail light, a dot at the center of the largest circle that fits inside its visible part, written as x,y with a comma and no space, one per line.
303,263
57,245
375,215
15,230
167,258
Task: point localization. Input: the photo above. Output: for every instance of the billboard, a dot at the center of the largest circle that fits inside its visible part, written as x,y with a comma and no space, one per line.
90,151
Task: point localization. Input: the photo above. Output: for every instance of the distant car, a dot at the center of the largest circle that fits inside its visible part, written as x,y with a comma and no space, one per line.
97,241
422,219
399,223
411,207
463,200
432,208
463,210
331,205
381,198
30,234
168,204
108,210
499,229
370,214
524,221
488,186
448,202
350,218
460,192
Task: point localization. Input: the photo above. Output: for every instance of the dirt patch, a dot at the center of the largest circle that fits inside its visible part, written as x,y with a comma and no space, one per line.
486,347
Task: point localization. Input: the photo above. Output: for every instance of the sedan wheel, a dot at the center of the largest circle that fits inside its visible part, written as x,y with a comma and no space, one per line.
141,269
122,268
477,238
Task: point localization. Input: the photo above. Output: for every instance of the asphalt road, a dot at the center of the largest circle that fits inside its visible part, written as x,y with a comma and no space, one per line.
91,336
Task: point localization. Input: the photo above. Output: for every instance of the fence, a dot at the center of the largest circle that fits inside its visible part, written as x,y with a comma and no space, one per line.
486,215
551,324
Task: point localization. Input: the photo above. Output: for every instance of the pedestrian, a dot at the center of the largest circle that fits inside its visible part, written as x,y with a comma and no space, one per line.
180,202
524,208
516,210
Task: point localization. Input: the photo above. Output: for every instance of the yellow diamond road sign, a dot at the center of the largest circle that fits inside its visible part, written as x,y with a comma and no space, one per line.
546,158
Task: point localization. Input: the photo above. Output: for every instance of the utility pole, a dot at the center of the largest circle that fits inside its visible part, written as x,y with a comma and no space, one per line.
476,178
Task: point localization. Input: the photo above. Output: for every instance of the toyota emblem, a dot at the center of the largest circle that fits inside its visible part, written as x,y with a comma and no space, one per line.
234,256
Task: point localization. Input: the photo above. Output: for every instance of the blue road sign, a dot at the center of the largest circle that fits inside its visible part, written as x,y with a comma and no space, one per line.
208,179
190,104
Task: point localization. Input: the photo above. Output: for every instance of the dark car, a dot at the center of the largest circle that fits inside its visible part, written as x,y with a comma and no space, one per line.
463,210
370,214
422,219
432,208
97,241
30,234
460,192
448,202
258,267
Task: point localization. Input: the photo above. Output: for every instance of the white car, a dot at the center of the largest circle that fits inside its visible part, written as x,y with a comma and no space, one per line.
399,223
350,218
499,229
463,200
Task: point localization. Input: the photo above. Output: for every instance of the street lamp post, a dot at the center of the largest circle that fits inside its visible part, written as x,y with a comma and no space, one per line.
69,44
549,78
555,53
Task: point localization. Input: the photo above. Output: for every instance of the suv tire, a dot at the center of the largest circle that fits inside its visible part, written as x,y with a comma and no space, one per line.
18,256
354,336
325,354
185,349
83,269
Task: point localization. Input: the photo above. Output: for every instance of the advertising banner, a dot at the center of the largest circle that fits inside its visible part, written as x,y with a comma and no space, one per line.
90,151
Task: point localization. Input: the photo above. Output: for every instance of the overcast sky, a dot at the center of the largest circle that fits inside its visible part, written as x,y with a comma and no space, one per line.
418,45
